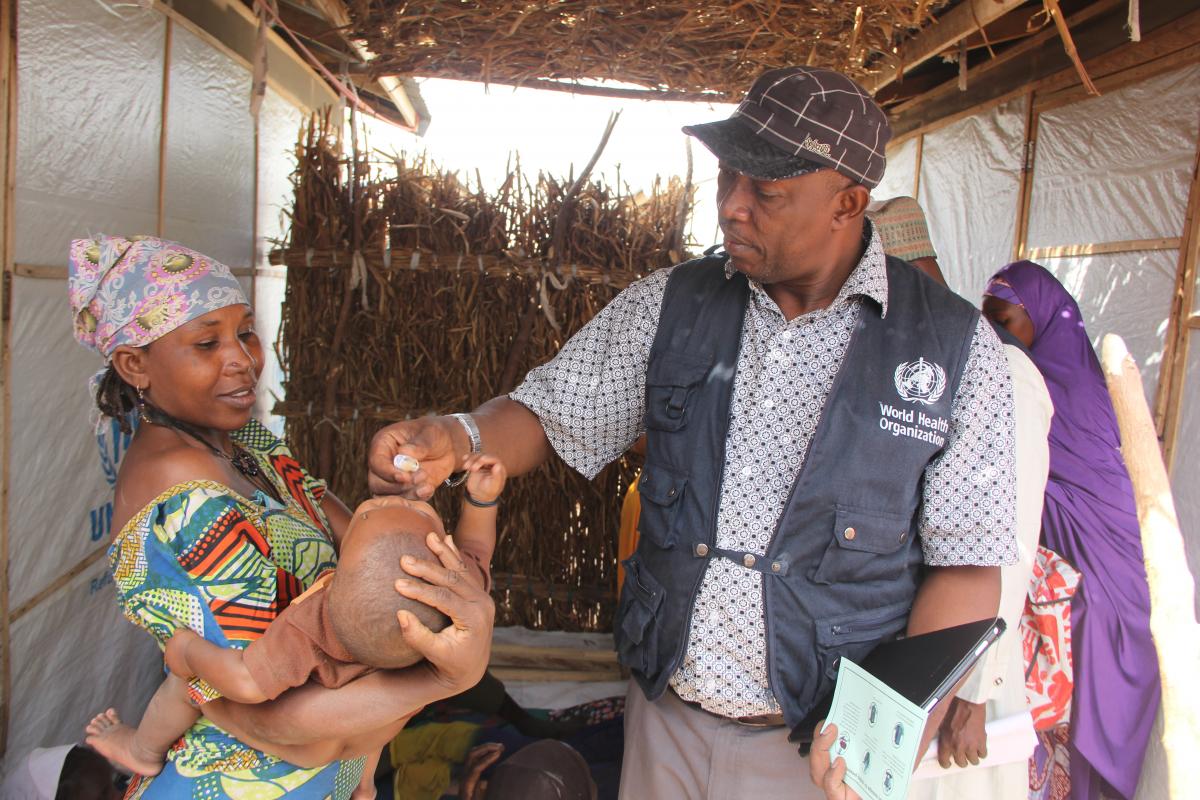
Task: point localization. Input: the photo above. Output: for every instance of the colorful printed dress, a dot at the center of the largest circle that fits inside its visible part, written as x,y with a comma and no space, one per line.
202,556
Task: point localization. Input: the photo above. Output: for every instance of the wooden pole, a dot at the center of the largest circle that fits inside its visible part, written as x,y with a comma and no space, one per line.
1172,588
1026,192
162,129
917,170
8,131
1171,381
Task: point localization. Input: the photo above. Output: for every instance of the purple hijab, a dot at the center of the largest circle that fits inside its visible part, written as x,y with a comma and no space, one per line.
1090,519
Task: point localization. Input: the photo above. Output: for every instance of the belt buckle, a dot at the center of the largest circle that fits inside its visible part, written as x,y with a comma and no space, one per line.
761,721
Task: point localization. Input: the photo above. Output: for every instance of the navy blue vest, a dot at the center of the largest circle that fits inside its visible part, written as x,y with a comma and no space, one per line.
842,567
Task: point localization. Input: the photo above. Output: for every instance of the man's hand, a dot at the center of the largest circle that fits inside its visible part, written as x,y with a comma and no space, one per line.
962,736
485,478
830,777
457,656
175,655
432,441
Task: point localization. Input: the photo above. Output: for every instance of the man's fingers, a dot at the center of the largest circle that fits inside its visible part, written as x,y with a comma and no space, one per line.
945,754
818,756
834,783
960,757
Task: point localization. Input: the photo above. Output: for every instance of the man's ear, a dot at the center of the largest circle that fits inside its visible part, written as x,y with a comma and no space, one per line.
130,364
850,204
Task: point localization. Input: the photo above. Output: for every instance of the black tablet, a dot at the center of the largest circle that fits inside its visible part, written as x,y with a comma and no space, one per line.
923,669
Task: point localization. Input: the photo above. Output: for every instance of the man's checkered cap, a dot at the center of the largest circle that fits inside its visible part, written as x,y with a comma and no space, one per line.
799,119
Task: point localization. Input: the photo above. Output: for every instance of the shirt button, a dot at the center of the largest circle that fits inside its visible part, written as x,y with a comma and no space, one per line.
787,336
748,560
747,471
768,403
850,533
999,681
701,549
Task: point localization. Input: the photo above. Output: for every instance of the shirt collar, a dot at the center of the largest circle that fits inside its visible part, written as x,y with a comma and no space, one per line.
867,279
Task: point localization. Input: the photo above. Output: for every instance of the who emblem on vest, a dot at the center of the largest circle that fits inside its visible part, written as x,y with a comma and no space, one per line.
920,381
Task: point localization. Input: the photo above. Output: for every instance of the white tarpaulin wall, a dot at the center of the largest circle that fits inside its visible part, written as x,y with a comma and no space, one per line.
1098,178
1109,173
970,184
89,116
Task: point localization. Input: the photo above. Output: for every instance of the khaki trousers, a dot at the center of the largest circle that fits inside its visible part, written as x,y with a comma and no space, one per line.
674,751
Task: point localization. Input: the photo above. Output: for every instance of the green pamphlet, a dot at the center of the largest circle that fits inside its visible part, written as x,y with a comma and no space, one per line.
879,732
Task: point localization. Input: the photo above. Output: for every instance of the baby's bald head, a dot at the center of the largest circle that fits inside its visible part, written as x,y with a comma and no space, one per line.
363,600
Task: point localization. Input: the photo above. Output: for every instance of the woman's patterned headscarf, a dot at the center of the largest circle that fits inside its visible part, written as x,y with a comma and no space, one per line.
131,291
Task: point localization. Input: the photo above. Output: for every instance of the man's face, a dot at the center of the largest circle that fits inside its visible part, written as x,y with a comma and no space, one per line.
779,230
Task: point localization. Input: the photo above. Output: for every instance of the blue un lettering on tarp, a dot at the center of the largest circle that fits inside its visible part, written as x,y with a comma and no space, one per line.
112,443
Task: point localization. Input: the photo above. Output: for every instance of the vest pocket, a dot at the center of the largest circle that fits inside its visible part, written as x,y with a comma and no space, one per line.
671,381
635,633
660,489
866,546
855,635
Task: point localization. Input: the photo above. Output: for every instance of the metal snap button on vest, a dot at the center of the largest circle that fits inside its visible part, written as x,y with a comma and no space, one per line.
850,533
776,566
903,535
671,492
748,560
701,549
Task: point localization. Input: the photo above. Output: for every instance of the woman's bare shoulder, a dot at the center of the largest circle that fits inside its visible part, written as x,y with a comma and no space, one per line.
154,464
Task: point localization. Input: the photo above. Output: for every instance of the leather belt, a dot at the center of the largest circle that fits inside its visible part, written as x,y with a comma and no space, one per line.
756,721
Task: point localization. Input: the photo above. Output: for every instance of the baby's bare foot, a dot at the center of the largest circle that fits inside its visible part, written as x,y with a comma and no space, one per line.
117,742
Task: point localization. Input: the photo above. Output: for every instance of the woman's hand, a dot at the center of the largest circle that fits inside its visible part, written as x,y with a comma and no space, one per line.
830,777
430,440
457,656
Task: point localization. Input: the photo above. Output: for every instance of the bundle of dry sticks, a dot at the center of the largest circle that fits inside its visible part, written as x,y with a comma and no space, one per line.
409,292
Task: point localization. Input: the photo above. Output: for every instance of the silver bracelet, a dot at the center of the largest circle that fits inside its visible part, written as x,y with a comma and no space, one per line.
468,423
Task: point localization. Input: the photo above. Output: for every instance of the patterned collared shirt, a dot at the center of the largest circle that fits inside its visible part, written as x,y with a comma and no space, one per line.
590,399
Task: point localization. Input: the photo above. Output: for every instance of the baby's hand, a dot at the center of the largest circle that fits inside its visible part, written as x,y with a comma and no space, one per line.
176,652
486,477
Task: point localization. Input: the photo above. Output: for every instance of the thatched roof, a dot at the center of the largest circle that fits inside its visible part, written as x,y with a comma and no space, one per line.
701,48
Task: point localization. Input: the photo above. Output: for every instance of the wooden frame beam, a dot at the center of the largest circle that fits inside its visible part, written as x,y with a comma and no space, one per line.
1126,246
1041,64
952,27
1169,400
336,12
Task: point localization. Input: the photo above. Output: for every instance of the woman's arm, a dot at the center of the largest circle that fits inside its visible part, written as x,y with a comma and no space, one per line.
339,517
455,660
312,714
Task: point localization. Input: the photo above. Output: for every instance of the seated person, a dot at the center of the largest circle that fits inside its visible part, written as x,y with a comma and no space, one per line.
66,772
546,769
338,630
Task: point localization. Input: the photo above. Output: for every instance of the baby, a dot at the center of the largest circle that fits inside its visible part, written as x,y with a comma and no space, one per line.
342,627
